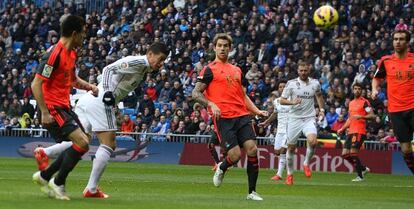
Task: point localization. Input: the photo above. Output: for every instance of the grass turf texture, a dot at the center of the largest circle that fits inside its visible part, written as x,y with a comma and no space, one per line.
134,185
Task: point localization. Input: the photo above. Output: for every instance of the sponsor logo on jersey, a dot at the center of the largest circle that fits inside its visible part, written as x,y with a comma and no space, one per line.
124,65
47,71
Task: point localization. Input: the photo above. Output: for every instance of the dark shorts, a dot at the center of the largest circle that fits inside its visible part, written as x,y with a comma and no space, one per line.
234,131
66,121
403,125
354,141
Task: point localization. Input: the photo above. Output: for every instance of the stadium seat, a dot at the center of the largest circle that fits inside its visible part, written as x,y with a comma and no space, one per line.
128,111
133,117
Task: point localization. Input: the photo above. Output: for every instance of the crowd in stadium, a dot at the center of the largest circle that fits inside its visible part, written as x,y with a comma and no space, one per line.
269,40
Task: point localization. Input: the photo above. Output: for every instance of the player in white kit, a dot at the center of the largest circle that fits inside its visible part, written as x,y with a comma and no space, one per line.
280,145
301,93
96,114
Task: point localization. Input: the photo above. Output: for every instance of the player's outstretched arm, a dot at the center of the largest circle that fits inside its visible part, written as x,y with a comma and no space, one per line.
271,118
375,86
319,99
344,127
81,84
198,96
251,107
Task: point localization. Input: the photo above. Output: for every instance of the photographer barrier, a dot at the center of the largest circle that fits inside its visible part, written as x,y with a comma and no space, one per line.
192,150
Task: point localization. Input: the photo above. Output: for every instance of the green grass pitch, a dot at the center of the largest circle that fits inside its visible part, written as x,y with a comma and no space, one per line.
134,185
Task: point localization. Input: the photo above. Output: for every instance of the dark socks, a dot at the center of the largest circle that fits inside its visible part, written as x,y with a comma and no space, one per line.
72,156
226,163
409,160
252,172
213,153
358,165
53,168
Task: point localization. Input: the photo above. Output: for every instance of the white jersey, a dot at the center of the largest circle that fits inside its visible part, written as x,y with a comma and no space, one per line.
124,75
282,115
297,88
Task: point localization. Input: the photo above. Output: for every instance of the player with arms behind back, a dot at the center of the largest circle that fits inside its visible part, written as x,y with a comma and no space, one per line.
219,87
281,112
397,69
359,111
301,93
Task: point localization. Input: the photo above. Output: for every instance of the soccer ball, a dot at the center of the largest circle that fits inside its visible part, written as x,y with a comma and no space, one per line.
325,17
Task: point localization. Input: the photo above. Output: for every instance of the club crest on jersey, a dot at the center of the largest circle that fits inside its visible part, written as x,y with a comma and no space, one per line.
47,71
124,65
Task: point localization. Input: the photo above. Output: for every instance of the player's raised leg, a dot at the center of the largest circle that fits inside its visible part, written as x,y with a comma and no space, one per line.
42,154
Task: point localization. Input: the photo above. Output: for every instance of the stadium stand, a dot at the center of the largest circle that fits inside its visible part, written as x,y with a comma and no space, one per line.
270,37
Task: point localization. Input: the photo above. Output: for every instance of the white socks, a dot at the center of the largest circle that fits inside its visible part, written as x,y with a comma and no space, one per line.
309,154
282,164
55,150
102,156
289,162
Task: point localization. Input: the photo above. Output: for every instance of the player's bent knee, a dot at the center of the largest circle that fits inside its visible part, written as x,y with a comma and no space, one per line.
251,151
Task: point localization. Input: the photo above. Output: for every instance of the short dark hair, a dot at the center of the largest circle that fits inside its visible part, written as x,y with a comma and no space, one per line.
358,85
70,24
158,48
406,32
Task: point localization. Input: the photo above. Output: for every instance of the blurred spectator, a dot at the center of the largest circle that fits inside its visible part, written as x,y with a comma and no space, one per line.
127,124
331,116
146,102
27,107
200,111
162,128
269,40
389,138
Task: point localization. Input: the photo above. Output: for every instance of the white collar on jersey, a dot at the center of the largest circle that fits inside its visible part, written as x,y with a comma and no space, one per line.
304,82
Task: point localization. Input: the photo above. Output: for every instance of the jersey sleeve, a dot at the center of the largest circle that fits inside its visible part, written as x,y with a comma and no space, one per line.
48,63
287,92
317,86
244,81
367,106
206,76
381,71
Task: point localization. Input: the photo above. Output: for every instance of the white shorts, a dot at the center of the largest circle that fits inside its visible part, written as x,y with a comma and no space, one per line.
296,126
280,141
94,115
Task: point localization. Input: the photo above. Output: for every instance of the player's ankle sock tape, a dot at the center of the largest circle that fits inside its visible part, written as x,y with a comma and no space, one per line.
226,164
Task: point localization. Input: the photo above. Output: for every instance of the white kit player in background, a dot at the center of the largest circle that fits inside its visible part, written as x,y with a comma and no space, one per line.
96,114
301,93
280,144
